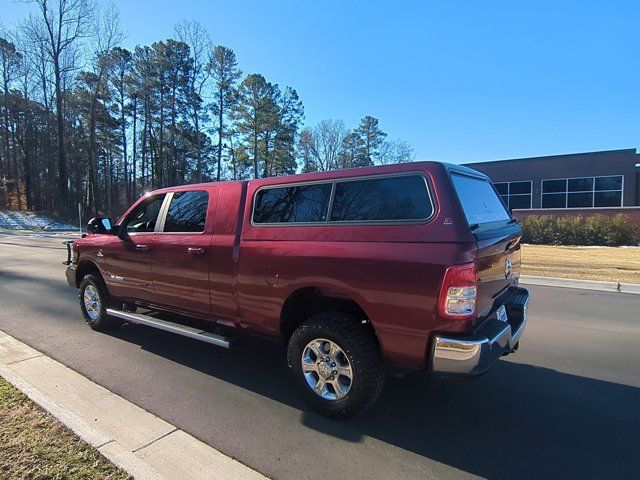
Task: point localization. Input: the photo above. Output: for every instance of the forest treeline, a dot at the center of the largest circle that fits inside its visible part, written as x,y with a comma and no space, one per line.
84,120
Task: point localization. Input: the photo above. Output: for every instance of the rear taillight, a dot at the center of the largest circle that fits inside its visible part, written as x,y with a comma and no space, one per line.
459,290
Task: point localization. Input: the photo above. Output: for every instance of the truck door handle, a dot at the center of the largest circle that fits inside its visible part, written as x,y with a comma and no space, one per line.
195,250
142,248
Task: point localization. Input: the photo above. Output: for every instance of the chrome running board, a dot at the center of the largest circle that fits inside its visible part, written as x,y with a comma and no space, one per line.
172,327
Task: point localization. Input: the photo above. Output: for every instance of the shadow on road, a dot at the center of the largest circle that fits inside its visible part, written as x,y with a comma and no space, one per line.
516,421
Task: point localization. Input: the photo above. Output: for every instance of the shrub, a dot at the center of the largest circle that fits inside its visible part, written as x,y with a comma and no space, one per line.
578,230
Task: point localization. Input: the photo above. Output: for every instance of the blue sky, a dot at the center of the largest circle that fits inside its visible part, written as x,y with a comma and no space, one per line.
461,81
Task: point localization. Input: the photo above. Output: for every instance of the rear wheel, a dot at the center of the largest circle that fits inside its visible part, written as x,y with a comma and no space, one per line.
94,299
337,364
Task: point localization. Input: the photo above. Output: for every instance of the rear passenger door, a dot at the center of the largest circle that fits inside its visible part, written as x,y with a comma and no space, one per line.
180,257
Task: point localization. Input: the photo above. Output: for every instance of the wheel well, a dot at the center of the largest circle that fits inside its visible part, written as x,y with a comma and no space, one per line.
85,268
305,302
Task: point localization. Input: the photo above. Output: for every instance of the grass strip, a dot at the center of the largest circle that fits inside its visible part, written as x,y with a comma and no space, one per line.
612,264
34,445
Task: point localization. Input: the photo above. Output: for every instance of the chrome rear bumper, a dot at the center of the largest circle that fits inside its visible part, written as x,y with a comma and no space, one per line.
474,354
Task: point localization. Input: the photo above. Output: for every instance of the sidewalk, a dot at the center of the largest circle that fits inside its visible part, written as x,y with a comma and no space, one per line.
580,284
135,440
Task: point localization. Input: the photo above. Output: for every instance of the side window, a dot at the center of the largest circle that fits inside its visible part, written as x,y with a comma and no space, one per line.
382,199
143,218
187,212
302,203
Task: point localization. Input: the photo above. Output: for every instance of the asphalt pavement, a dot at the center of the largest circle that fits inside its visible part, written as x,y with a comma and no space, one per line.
566,405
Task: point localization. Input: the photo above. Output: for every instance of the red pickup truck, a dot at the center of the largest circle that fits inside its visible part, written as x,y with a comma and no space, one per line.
413,266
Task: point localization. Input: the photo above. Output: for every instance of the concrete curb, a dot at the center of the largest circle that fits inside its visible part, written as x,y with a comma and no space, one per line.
143,445
581,284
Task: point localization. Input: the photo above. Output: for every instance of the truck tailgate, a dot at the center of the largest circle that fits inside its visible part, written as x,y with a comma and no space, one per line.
498,264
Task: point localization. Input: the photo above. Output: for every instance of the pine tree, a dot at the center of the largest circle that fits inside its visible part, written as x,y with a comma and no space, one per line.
225,73
371,137
252,113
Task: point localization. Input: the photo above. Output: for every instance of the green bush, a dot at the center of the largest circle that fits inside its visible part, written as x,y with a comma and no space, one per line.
578,230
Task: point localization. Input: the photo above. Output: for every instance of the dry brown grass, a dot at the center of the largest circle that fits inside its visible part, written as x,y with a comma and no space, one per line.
34,445
614,264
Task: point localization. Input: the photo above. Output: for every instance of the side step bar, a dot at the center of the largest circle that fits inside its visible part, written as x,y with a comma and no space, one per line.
172,327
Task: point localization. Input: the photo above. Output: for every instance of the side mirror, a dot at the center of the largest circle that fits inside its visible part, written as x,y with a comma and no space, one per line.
100,226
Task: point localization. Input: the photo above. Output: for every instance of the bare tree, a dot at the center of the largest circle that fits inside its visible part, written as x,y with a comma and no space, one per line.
66,22
197,37
320,146
395,151
10,61
107,35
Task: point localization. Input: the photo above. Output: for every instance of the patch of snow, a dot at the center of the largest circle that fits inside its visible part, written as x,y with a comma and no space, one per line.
31,221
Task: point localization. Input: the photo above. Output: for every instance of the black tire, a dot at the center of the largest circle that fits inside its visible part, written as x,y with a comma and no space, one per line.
359,344
97,318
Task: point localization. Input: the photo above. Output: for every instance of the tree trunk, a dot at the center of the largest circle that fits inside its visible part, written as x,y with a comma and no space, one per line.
63,192
255,153
135,149
174,152
5,134
161,139
16,167
124,149
220,117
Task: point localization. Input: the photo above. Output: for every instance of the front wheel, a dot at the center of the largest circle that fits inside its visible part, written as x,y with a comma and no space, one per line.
337,364
94,300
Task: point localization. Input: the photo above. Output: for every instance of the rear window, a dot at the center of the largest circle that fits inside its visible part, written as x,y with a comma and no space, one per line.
298,204
187,212
480,203
382,199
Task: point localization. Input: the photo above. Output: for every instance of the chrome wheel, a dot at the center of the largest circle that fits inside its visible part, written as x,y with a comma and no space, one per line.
91,299
327,369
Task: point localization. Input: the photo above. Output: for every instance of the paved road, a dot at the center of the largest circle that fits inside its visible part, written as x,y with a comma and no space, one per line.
567,405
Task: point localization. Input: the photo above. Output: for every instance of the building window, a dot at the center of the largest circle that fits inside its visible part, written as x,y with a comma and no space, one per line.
515,195
582,192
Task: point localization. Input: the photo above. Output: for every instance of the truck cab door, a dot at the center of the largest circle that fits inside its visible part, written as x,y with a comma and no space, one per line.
181,252
127,256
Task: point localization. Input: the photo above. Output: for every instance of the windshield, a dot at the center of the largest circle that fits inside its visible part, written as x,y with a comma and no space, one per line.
480,202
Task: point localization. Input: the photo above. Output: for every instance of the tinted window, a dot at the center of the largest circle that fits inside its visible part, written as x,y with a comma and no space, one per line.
144,216
381,199
479,200
303,203
519,187
554,186
187,212
609,183
608,199
520,201
502,187
581,184
554,200
579,200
